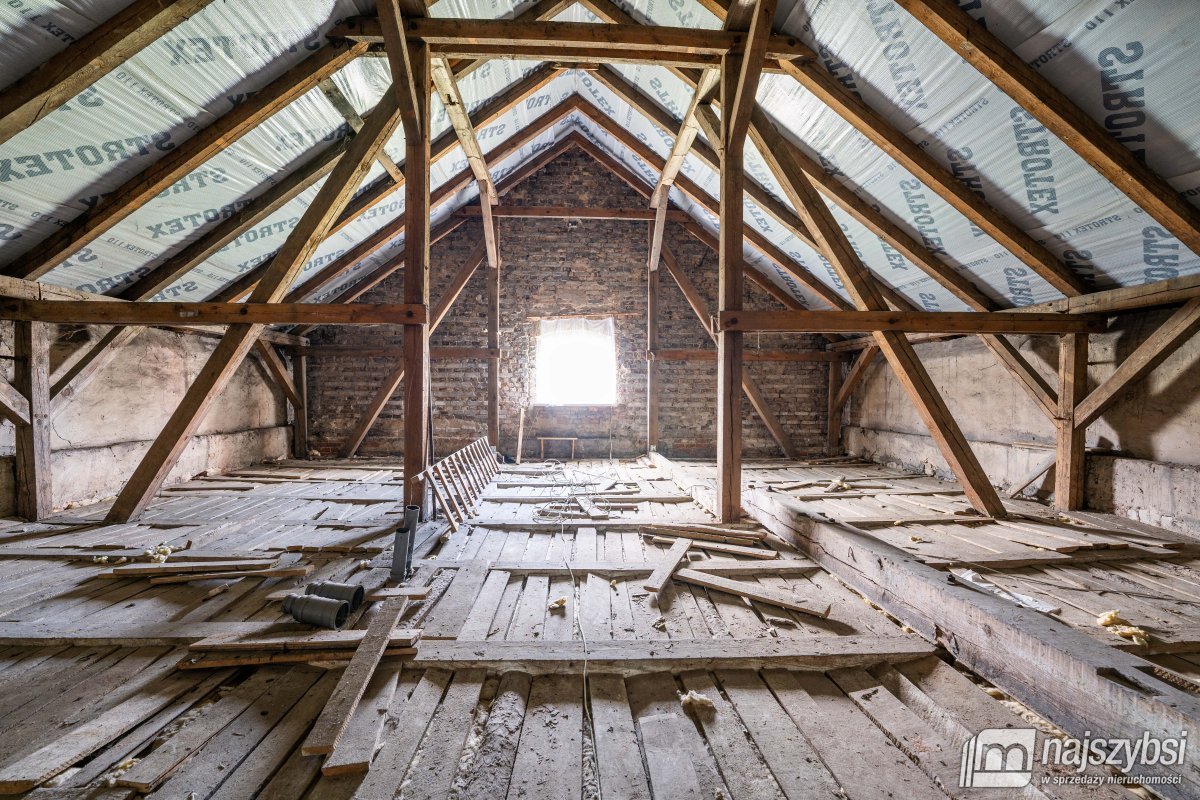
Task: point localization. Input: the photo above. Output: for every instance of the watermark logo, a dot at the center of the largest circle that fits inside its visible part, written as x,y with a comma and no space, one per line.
998,758
1005,758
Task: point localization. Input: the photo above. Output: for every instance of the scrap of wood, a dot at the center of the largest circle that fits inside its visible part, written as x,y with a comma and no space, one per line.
590,507
177,567
325,640
750,591
333,720
216,660
278,572
662,573
688,529
411,592
721,547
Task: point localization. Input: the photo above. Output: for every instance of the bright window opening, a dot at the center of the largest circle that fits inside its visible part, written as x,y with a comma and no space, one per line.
576,362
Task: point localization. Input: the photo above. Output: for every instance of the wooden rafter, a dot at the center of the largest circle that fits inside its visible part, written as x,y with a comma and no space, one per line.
72,70
444,193
342,105
1066,120
756,239
238,339
460,122
896,348
810,74
185,158
440,148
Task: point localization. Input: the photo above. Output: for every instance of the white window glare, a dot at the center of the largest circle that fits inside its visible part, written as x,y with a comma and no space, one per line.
576,362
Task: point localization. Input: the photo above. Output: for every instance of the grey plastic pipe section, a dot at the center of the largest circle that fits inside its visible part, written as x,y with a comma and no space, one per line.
311,609
352,593
402,547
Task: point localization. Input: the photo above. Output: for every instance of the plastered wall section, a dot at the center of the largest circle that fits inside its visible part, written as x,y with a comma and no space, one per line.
1149,439
100,435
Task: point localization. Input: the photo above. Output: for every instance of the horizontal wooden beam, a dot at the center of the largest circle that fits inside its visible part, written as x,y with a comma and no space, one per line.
700,354
548,39
1126,298
21,289
146,313
354,351
915,321
573,212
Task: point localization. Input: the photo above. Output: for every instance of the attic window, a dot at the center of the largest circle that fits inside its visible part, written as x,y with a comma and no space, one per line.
576,362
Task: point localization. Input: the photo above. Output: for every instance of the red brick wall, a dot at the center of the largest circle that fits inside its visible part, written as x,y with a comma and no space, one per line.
599,267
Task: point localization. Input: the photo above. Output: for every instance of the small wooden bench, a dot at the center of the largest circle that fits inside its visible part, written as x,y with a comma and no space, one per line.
543,439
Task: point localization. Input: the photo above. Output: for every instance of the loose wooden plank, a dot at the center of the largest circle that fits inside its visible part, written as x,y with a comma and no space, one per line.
720,547
548,764
325,640
176,567
333,720
90,736
281,572
634,656
357,745
662,573
622,773
751,592
432,772
390,765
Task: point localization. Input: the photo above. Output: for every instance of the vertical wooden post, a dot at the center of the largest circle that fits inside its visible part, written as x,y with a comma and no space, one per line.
493,365
730,288
833,441
1069,464
300,406
652,349
35,491
416,278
